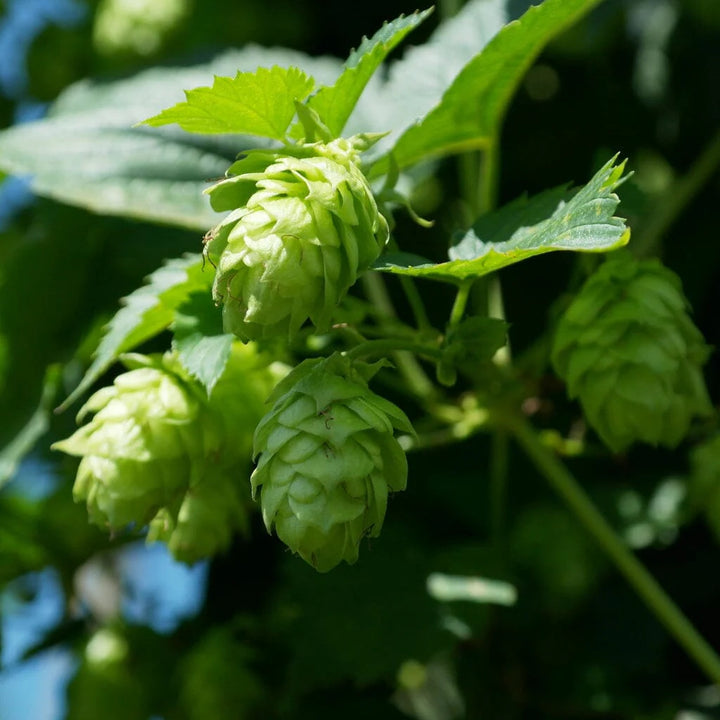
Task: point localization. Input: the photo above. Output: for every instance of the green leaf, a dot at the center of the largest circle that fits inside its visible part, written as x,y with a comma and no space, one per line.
251,103
147,311
86,152
525,228
335,103
202,346
469,114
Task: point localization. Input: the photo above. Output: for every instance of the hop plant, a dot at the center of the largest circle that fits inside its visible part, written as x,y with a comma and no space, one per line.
328,459
304,224
158,451
629,351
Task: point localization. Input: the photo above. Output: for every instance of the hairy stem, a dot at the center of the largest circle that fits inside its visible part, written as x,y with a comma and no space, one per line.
656,599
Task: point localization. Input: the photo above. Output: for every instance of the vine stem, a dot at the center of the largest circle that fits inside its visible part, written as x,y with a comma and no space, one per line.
657,600
408,365
461,300
391,345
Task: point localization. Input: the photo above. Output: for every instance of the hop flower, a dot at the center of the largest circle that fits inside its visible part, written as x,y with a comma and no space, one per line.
158,451
629,351
328,459
304,224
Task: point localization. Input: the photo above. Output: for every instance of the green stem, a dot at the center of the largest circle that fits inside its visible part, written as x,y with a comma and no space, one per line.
657,600
489,177
676,198
391,345
416,304
461,299
407,365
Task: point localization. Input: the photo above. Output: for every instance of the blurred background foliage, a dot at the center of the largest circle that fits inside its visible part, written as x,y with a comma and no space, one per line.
95,627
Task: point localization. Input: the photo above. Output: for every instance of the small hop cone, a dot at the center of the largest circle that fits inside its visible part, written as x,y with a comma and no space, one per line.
138,450
304,224
159,451
328,460
627,348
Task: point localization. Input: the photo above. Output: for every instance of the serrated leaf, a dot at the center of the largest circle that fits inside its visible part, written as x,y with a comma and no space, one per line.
251,103
202,345
146,312
583,223
472,107
87,153
335,103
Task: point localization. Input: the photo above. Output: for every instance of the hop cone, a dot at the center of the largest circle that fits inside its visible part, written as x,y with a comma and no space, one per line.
629,351
328,459
158,451
304,224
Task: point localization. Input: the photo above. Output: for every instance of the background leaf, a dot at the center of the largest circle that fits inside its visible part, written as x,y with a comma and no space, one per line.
199,339
87,152
584,223
335,103
146,312
251,103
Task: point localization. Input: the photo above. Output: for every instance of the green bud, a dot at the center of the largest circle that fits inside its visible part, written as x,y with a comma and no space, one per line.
328,459
627,348
304,224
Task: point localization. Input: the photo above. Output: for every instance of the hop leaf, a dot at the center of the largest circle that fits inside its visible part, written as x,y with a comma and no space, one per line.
304,224
328,459
627,348
158,451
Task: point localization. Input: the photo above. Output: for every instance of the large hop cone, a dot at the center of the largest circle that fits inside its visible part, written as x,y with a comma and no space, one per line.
627,348
328,459
158,451
304,224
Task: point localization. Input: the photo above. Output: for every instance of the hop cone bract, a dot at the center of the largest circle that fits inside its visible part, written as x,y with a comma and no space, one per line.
627,348
304,224
158,451
328,459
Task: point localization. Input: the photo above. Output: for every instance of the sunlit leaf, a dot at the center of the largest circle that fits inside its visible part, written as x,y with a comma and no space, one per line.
583,223
334,104
473,104
202,346
250,103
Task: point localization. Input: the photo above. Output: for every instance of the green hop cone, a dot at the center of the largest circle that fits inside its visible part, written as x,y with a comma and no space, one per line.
159,451
139,449
328,460
627,348
304,224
